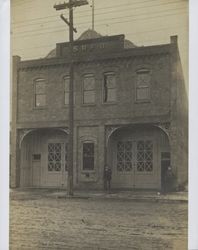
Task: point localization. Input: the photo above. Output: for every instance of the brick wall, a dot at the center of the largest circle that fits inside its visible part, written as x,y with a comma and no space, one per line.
126,105
179,119
168,100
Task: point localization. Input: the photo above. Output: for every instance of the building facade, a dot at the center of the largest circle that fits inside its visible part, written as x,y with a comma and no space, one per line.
130,113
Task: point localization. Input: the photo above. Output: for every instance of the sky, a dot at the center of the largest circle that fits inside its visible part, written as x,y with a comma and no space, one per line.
36,26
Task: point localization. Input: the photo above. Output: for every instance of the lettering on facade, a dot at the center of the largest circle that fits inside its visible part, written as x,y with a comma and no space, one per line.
89,47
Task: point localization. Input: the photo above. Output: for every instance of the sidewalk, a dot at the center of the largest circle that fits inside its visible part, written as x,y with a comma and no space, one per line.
150,196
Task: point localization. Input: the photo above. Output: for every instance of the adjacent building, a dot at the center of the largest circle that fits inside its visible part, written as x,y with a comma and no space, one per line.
130,112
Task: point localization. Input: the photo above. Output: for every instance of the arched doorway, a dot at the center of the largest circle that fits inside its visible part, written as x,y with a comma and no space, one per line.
135,154
43,159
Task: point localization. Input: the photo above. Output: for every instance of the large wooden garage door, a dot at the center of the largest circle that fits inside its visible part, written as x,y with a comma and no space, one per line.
136,164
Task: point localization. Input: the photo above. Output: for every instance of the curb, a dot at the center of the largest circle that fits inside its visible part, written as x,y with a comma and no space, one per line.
98,196
136,199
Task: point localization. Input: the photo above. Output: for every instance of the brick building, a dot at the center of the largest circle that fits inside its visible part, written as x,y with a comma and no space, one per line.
130,112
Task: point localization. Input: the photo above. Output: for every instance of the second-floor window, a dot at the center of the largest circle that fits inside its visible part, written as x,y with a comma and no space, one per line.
89,89
66,81
109,88
143,85
40,93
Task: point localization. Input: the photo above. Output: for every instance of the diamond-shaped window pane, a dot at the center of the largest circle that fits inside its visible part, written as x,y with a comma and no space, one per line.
120,146
54,156
148,145
148,166
140,145
145,156
140,166
124,156
57,166
149,156
128,166
50,166
120,166
140,156
128,146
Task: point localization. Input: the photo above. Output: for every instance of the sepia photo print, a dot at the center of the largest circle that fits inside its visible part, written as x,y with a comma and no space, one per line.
99,125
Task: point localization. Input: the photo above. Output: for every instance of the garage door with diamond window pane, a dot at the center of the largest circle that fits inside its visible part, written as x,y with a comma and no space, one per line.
124,156
144,156
54,157
136,164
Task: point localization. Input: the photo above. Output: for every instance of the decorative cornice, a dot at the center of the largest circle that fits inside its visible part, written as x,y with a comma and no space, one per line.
149,52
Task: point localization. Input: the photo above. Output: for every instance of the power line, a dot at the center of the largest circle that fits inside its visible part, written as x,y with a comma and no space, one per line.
108,19
98,24
119,5
139,19
115,6
82,16
110,7
134,33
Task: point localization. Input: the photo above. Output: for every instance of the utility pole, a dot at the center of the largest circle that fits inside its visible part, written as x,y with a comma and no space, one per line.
70,5
93,9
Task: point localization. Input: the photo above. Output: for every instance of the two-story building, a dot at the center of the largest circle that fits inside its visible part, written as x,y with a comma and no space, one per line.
130,112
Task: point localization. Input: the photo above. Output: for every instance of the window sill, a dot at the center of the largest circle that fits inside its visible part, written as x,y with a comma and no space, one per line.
88,171
142,101
65,106
109,103
40,108
123,173
88,104
54,172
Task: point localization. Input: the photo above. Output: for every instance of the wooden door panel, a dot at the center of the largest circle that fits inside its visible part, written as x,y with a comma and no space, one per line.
135,163
36,173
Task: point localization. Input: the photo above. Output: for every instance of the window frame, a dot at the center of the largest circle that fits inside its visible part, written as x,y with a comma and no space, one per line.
68,77
53,170
103,87
87,75
64,156
148,86
94,156
36,81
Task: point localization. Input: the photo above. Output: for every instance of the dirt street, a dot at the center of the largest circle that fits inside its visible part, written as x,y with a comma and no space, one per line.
96,224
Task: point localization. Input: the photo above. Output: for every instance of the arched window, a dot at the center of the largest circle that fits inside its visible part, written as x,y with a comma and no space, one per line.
40,92
66,80
89,89
109,88
143,85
